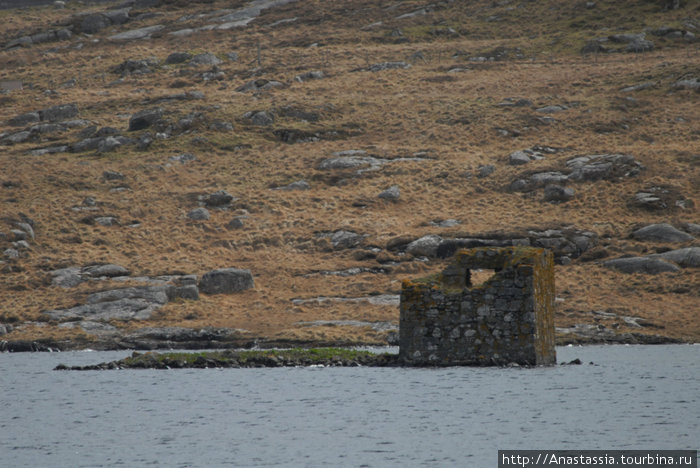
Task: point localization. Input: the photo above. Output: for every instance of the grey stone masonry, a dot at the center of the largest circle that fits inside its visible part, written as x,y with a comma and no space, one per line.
447,321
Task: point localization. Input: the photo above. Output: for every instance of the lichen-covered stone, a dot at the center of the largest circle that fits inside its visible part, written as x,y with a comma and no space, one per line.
445,320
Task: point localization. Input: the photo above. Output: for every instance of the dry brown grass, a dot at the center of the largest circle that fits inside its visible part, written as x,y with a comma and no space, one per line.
398,113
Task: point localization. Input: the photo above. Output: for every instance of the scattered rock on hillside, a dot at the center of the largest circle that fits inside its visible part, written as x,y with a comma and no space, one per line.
603,166
688,257
310,75
692,83
136,303
58,113
112,175
640,45
226,281
108,270
145,118
639,87
565,244
260,117
426,246
199,214
135,67
646,265
141,33
218,198
515,102
553,109
205,59
393,193
178,57
66,277
517,158
377,67
657,198
584,168
661,233
345,239
259,84
183,158
298,185
558,193
24,119
485,170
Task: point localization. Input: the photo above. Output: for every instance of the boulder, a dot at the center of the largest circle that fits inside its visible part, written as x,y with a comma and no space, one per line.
145,118
226,281
178,57
391,194
218,198
426,246
259,84
640,45
24,119
692,83
118,16
387,66
59,112
551,109
298,185
310,75
661,233
260,117
94,23
345,239
198,214
603,166
183,158
518,158
109,270
205,59
137,303
135,67
349,162
688,257
142,33
485,170
66,277
648,265
558,193
112,175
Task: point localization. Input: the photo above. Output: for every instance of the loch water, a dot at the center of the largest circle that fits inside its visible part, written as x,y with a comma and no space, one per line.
632,397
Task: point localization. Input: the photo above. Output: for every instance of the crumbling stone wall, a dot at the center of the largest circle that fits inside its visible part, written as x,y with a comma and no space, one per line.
445,320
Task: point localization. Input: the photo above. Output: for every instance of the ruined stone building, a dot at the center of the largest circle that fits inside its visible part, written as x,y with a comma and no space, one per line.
446,320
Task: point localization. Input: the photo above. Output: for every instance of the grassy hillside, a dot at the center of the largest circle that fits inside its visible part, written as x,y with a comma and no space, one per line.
477,80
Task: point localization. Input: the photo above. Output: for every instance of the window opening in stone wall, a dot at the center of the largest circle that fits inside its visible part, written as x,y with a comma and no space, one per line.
477,277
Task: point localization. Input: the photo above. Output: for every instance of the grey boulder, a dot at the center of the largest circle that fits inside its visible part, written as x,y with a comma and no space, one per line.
136,303
392,193
688,257
426,246
646,265
226,281
661,233
145,118
199,214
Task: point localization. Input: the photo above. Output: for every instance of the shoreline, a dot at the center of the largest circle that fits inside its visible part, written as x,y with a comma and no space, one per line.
50,345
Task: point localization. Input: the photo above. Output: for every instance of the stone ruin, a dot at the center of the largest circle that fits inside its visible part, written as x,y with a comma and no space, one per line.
446,320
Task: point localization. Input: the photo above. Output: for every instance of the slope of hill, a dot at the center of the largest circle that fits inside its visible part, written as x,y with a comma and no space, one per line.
158,139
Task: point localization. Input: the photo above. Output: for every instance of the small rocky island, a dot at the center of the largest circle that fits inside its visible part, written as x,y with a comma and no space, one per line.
297,357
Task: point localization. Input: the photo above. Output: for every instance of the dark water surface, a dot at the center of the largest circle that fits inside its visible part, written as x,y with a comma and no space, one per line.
643,397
